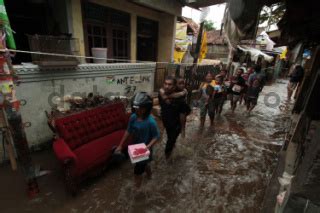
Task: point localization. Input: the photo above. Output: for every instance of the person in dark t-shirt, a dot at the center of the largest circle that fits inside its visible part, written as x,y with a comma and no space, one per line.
170,115
179,98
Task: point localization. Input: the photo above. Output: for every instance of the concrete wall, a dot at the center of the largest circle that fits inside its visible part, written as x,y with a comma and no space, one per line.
165,20
217,51
40,87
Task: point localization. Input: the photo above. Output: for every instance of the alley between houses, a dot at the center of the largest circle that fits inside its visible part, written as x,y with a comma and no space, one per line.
225,169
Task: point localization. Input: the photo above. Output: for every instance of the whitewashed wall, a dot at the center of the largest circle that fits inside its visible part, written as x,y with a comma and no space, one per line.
39,88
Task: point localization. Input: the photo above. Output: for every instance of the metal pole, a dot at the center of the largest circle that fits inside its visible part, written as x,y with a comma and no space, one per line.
198,45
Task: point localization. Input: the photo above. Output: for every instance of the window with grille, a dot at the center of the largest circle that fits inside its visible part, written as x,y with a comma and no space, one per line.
120,19
147,39
97,36
120,44
109,28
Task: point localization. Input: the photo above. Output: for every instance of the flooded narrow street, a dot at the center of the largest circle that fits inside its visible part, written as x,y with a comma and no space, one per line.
225,169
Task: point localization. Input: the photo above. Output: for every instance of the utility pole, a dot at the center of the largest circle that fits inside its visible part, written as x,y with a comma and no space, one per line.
198,45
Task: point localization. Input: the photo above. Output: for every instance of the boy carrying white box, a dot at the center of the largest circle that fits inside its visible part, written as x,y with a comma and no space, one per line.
144,129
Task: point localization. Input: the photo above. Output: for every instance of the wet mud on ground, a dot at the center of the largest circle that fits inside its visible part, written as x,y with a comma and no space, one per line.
225,169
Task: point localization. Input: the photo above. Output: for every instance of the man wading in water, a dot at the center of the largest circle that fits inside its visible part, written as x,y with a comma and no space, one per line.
256,83
170,115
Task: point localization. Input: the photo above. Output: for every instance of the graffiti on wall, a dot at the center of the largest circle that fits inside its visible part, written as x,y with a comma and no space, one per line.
135,79
131,83
110,79
130,90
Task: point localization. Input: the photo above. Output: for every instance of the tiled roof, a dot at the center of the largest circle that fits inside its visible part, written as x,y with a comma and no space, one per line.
214,37
193,25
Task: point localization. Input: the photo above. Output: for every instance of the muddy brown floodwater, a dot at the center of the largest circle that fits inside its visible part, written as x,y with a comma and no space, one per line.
225,169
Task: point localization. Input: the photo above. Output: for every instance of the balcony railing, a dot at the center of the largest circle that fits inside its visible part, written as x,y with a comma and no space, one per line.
56,45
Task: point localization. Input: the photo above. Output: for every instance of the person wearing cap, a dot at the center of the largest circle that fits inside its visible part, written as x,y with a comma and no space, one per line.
144,129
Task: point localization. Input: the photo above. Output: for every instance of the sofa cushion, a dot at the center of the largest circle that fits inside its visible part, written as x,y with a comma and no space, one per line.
97,151
72,130
81,128
115,117
106,120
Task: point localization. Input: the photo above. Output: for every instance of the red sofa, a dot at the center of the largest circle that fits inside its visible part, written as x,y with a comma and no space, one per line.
86,140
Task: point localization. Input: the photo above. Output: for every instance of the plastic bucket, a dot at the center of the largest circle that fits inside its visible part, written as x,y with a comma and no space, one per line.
99,53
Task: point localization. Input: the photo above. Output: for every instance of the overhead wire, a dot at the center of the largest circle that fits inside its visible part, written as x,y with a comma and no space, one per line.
88,57
100,58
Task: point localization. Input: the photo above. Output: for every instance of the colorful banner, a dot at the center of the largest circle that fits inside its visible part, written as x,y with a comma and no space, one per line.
284,54
178,56
204,47
181,31
4,21
182,40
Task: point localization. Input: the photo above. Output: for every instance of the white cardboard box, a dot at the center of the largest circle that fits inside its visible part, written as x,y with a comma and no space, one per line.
138,152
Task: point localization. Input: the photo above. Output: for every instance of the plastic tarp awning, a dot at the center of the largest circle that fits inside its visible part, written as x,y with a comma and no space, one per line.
255,53
241,20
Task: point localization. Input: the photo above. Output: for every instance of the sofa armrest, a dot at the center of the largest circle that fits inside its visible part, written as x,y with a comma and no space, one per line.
63,152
